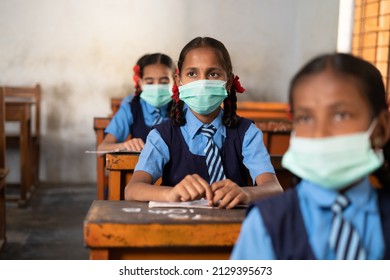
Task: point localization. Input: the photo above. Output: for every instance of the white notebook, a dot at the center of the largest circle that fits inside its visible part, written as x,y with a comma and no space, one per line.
201,203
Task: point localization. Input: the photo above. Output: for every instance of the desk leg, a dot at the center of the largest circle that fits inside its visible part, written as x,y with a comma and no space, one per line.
98,254
2,212
101,176
114,183
25,162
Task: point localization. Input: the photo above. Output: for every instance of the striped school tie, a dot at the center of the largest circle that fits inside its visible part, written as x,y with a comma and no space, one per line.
157,116
344,239
213,159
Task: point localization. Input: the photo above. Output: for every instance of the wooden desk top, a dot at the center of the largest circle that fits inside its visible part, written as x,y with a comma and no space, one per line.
121,161
134,224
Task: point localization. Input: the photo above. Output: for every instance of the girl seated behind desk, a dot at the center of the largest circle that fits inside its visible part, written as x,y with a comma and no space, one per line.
341,132
204,151
153,77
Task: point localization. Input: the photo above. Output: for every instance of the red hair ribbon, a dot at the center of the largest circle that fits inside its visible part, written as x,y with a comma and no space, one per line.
136,76
175,95
237,85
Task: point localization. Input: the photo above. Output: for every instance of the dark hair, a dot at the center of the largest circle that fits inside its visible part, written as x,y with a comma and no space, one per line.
370,83
149,59
229,118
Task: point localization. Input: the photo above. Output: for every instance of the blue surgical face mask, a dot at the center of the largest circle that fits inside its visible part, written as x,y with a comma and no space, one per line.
333,162
203,96
157,95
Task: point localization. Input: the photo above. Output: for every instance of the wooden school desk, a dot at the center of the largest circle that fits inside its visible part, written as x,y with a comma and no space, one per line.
120,168
19,109
131,230
99,125
3,174
33,92
3,171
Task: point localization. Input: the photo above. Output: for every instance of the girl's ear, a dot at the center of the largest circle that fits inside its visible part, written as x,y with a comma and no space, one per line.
177,80
229,83
381,134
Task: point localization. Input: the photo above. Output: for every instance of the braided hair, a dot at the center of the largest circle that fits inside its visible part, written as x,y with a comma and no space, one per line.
229,118
149,59
370,83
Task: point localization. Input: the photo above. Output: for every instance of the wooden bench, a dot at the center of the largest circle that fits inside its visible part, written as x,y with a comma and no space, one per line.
14,139
3,170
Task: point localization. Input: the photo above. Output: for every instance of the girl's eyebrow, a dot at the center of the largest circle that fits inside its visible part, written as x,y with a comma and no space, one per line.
149,79
302,109
190,69
164,78
213,68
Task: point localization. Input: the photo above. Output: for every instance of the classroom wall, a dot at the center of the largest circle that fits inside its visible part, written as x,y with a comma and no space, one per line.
82,53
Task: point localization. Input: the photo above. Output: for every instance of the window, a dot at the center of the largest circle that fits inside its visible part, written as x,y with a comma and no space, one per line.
371,34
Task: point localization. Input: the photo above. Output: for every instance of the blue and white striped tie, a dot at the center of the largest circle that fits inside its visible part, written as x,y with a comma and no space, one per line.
157,116
213,159
344,239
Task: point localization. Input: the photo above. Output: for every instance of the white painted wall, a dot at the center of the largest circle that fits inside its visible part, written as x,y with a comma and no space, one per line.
82,53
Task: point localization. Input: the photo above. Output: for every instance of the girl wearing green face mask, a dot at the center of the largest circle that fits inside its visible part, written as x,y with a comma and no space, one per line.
148,106
341,136
204,152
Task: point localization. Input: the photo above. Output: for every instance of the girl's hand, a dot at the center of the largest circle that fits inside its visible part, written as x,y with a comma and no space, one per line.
134,145
192,187
228,194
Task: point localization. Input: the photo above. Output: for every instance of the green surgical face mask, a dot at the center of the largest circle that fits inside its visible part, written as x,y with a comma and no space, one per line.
333,162
203,96
157,95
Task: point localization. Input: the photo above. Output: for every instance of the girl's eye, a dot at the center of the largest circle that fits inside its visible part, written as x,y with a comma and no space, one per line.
164,81
214,75
340,116
303,119
191,74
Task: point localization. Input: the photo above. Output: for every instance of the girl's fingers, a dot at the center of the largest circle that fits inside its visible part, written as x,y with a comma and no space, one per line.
134,145
205,187
193,187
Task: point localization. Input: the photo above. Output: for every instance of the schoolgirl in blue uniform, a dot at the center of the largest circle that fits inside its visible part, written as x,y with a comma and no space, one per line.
153,77
341,136
204,151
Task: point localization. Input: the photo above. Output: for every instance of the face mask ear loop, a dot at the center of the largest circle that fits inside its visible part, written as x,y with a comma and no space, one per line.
372,127
378,151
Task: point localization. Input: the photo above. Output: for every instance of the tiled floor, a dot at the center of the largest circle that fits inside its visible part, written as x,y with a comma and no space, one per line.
51,226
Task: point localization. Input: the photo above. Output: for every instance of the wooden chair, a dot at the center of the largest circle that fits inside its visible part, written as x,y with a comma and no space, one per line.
99,125
13,139
3,170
